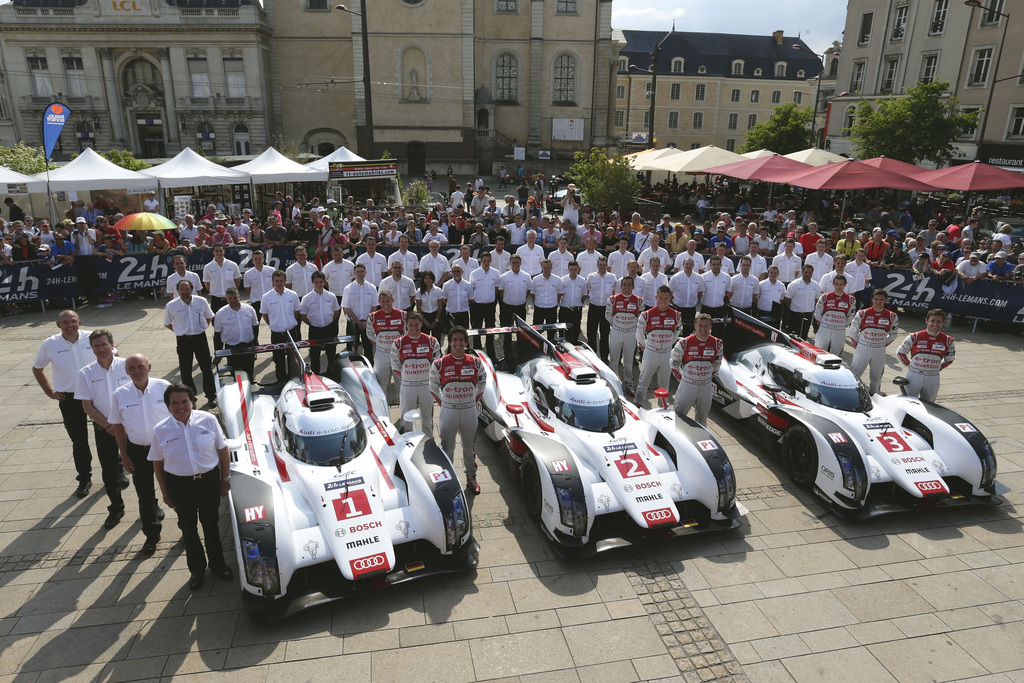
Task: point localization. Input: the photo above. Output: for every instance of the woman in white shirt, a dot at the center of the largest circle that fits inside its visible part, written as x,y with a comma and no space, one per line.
427,297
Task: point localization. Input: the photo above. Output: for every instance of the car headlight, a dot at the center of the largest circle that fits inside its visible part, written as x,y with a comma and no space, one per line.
260,570
572,512
726,488
988,467
456,522
854,478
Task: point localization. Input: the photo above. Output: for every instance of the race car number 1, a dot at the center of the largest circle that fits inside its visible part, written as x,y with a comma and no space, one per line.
893,443
354,504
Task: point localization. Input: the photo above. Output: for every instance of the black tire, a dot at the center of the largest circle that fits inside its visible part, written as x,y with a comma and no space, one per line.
530,483
800,455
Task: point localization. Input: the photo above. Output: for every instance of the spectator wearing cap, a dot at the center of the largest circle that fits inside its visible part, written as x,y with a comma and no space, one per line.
896,258
999,268
876,248
677,239
741,240
62,252
922,264
972,269
721,237
151,204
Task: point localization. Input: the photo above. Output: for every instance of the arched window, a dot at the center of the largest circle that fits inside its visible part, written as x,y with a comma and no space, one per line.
141,72
737,67
757,72
780,69
483,120
702,69
506,78
849,120
240,136
325,148
677,65
801,73
564,82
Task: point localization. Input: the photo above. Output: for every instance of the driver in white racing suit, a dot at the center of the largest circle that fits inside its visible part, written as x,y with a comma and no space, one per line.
695,359
411,358
457,382
834,311
622,312
656,332
926,353
871,330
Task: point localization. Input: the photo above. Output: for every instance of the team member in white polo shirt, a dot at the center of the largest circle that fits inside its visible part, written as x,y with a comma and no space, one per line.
483,299
435,263
654,251
96,384
376,264
410,261
180,274
138,407
188,316
600,287
358,301
455,295
402,288
588,258
758,265
68,351
618,260
692,253
280,310
258,280
547,292
299,275
339,271
500,256
745,288
514,287
531,254
237,324
717,286
788,262
770,294
218,275
320,311
801,297
570,308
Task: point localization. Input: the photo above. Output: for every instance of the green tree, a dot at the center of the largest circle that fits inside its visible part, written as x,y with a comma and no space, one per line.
416,194
787,131
922,124
24,159
605,182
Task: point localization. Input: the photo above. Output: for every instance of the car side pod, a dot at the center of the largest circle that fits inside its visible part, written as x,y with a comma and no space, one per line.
661,393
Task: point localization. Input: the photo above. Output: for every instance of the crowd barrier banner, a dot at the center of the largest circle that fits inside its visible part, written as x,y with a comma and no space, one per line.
988,300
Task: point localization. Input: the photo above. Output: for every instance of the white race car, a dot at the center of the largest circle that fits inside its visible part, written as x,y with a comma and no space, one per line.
327,498
596,471
864,455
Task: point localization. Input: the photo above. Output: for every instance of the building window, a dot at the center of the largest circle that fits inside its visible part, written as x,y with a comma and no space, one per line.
74,75
566,7
857,79
140,72
755,96
734,96
205,138
3,108
899,22
702,69
973,131
620,118
698,120
849,120
240,140
990,13
677,65
798,98
647,119
737,67
699,92
673,120
695,145
734,121
939,12
981,60
675,92
511,6
780,70
316,4
892,69
234,76
39,71
730,144
801,73
757,72
1017,123
199,77
776,96
929,65
623,64
833,67
565,79
864,36
620,92
647,90
506,79
751,121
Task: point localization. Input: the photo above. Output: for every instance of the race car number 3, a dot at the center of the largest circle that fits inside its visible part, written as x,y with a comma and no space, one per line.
354,504
893,443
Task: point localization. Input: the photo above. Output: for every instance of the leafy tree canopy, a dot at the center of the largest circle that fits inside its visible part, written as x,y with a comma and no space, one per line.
787,131
605,182
24,159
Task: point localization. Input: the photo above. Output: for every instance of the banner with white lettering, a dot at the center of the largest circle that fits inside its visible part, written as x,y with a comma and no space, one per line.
986,299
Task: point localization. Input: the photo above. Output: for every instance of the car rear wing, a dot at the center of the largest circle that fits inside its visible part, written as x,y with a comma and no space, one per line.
291,346
521,327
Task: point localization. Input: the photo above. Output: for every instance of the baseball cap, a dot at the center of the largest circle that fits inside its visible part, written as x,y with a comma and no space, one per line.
1001,254
720,225
43,247
892,233
80,219
922,255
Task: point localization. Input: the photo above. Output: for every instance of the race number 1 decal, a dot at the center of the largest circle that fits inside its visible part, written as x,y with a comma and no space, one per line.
352,504
632,465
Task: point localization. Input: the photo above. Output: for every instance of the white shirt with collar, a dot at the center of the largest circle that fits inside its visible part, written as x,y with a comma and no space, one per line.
573,291
359,298
338,275
188,319
641,241
258,282
456,295
600,288
500,261
280,309
190,448
560,262
545,291
173,279
235,327
743,290
97,385
758,266
300,277
803,296
219,276
715,287
858,276
646,287
686,288
410,262
698,261
647,254
514,287
588,263
402,290
789,267
375,266
320,307
769,293
438,265
821,264
467,266
531,258
617,262
66,357
140,411
485,283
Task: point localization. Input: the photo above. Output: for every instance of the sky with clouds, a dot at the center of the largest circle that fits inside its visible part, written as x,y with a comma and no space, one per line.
818,22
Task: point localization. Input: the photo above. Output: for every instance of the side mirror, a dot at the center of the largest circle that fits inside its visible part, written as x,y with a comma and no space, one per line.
409,419
515,410
661,394
902,383
774,390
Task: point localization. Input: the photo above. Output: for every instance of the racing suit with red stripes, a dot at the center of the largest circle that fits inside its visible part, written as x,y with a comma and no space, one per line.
622,314
693,363
457,384
656,333
383,330
925,356
833,314
870,332
411,358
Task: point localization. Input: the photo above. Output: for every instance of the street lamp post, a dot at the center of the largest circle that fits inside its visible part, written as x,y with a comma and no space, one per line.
995,71
368,149
815,138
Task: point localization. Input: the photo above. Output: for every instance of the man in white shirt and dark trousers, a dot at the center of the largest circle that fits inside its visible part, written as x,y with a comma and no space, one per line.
455,296
137,408
570,309
320,311
237,324
547,292
280,310
483,299
514,287
69,351
190,460
218,275
188,317
358,301
801,297
258,280
97,382
299,278
600,287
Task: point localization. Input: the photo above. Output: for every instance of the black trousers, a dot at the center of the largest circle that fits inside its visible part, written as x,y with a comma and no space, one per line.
507,318
598,330
110,467
362,341
316,351
799,323
573,316
484,315
460,318
256,307
145,488
284,365
76,424
688,313
243,362
195,346
217,303
543,316
197,501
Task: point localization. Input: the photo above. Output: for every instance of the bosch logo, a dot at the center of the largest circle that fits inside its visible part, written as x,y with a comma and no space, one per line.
648,485
895,461
659,516
339,532
628,488
916,458
364,527
369,564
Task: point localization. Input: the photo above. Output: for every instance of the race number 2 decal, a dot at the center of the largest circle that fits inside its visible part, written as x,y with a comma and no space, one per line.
893,443
632,465
352,504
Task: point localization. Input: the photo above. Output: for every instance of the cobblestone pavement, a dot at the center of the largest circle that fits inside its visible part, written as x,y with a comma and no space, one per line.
796,594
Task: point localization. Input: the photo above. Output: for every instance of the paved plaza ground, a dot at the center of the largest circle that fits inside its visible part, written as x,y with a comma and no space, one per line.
797,594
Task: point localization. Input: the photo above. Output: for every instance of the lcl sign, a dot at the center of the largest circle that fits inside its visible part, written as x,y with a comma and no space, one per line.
125,6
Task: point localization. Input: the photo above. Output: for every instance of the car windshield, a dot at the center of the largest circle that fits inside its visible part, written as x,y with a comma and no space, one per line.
592,417
840,398
327,449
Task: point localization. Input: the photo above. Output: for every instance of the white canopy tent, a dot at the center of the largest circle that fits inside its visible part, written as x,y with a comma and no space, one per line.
31,183
655,160
815,157
340,154
274,167
189,169
696,160
757,154
90,171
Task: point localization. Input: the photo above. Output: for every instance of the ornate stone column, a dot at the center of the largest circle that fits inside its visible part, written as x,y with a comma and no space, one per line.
171,125
115,103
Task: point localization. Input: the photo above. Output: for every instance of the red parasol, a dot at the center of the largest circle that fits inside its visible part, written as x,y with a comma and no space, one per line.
901,167
854,175
771,169
973,177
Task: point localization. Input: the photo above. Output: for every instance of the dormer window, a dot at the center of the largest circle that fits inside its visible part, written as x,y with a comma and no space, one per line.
737,67
677,65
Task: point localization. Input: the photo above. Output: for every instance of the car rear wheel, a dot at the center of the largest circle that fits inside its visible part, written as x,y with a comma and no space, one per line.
530,481
800,455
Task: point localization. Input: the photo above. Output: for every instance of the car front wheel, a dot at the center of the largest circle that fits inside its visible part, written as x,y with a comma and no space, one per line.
530,481
800,455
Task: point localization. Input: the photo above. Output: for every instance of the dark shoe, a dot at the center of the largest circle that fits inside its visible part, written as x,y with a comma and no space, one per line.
212,403
196,582
83,489
160,513
122,481
113,519
473,487
149,547
224,573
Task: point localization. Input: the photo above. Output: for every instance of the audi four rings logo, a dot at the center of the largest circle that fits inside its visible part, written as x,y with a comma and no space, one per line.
662,515
368,564
927,487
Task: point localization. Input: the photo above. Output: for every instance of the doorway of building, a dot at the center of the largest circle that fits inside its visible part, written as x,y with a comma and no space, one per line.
151,137
417,152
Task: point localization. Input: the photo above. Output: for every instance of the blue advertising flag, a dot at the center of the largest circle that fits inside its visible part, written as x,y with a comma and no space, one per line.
54,118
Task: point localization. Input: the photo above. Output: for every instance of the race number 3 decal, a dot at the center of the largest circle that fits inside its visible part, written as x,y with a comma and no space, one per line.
352,504
893,443
632,465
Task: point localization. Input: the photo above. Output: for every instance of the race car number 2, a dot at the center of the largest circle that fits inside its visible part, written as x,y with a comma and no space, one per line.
632,465
352,504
